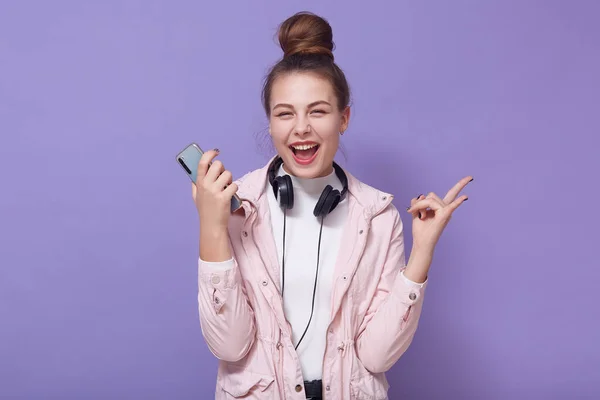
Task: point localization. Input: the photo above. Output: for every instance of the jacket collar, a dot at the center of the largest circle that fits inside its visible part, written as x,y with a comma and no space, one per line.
253,185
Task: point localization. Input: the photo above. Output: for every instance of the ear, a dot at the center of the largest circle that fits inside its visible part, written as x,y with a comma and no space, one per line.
345,119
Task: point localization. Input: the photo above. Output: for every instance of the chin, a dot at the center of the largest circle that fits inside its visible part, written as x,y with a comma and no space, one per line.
306,173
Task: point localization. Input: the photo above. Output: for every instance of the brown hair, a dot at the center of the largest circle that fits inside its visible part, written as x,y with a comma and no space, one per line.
307,43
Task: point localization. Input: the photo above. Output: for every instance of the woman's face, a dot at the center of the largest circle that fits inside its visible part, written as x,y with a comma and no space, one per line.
305,123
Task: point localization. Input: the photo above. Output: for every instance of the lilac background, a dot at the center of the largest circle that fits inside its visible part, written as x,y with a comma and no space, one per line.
98,233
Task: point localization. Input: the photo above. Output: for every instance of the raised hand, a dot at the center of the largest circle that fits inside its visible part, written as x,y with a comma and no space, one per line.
431,215
212,192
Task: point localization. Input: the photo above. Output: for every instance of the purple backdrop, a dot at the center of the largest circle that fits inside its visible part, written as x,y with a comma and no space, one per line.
99,234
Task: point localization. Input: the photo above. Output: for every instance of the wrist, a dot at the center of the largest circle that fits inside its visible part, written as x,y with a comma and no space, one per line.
213,231
214,244
418,265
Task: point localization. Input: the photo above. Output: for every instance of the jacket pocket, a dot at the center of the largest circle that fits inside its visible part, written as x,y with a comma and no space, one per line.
237,382
368,387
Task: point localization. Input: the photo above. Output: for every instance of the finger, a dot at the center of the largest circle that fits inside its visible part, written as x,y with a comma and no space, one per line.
424,204
415,214
415,199
423,215
456,203
418,214
204,164
430,212
215,170
432,195
452,193
194,191
223,180
230,190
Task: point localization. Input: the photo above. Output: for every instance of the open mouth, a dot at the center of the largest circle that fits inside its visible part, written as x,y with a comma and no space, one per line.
304,154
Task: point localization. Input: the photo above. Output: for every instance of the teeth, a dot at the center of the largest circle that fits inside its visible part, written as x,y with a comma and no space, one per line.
304,146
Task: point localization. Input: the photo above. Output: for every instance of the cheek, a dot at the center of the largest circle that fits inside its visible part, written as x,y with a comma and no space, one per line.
279,130
331,142
327,126
329,132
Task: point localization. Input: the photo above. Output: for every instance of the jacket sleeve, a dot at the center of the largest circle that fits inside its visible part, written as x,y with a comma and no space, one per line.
391,320
226,318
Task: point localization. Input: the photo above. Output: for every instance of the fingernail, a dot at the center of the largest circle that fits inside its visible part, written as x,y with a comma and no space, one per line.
217,150
407,208
466,199
471,180
419,196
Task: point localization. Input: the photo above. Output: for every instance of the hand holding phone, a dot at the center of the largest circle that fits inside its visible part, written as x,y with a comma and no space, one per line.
212,188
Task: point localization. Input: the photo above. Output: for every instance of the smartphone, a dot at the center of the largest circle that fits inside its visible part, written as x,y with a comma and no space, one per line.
189,158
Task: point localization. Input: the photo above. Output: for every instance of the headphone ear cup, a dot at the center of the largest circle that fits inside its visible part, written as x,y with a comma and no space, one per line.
332,201
318,211
286,191
328,200
335,197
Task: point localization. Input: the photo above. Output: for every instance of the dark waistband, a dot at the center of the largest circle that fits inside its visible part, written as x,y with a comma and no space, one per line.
314,389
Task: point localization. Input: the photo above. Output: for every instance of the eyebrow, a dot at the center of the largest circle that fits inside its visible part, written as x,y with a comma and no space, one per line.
314,103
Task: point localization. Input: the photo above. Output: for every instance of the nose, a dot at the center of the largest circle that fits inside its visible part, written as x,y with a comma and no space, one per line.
302,127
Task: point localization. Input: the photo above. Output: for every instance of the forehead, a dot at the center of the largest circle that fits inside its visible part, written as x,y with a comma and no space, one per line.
301,89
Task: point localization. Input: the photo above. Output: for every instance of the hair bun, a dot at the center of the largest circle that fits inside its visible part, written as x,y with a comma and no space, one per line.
306,33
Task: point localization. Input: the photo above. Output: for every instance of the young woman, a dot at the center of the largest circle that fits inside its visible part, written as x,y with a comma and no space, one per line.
304,292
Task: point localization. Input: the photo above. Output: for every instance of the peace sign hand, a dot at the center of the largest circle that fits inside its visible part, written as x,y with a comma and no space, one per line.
431,214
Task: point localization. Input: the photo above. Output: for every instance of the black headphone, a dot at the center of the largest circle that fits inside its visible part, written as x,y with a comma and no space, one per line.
284,191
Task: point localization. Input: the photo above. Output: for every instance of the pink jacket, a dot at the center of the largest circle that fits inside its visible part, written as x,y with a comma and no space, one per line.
374,312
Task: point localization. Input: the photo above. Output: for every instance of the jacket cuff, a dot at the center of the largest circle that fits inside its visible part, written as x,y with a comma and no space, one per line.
411,282
217,279
216,265
408,291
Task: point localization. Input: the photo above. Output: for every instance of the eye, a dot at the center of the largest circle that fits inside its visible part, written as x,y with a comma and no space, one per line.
283,114
319,111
